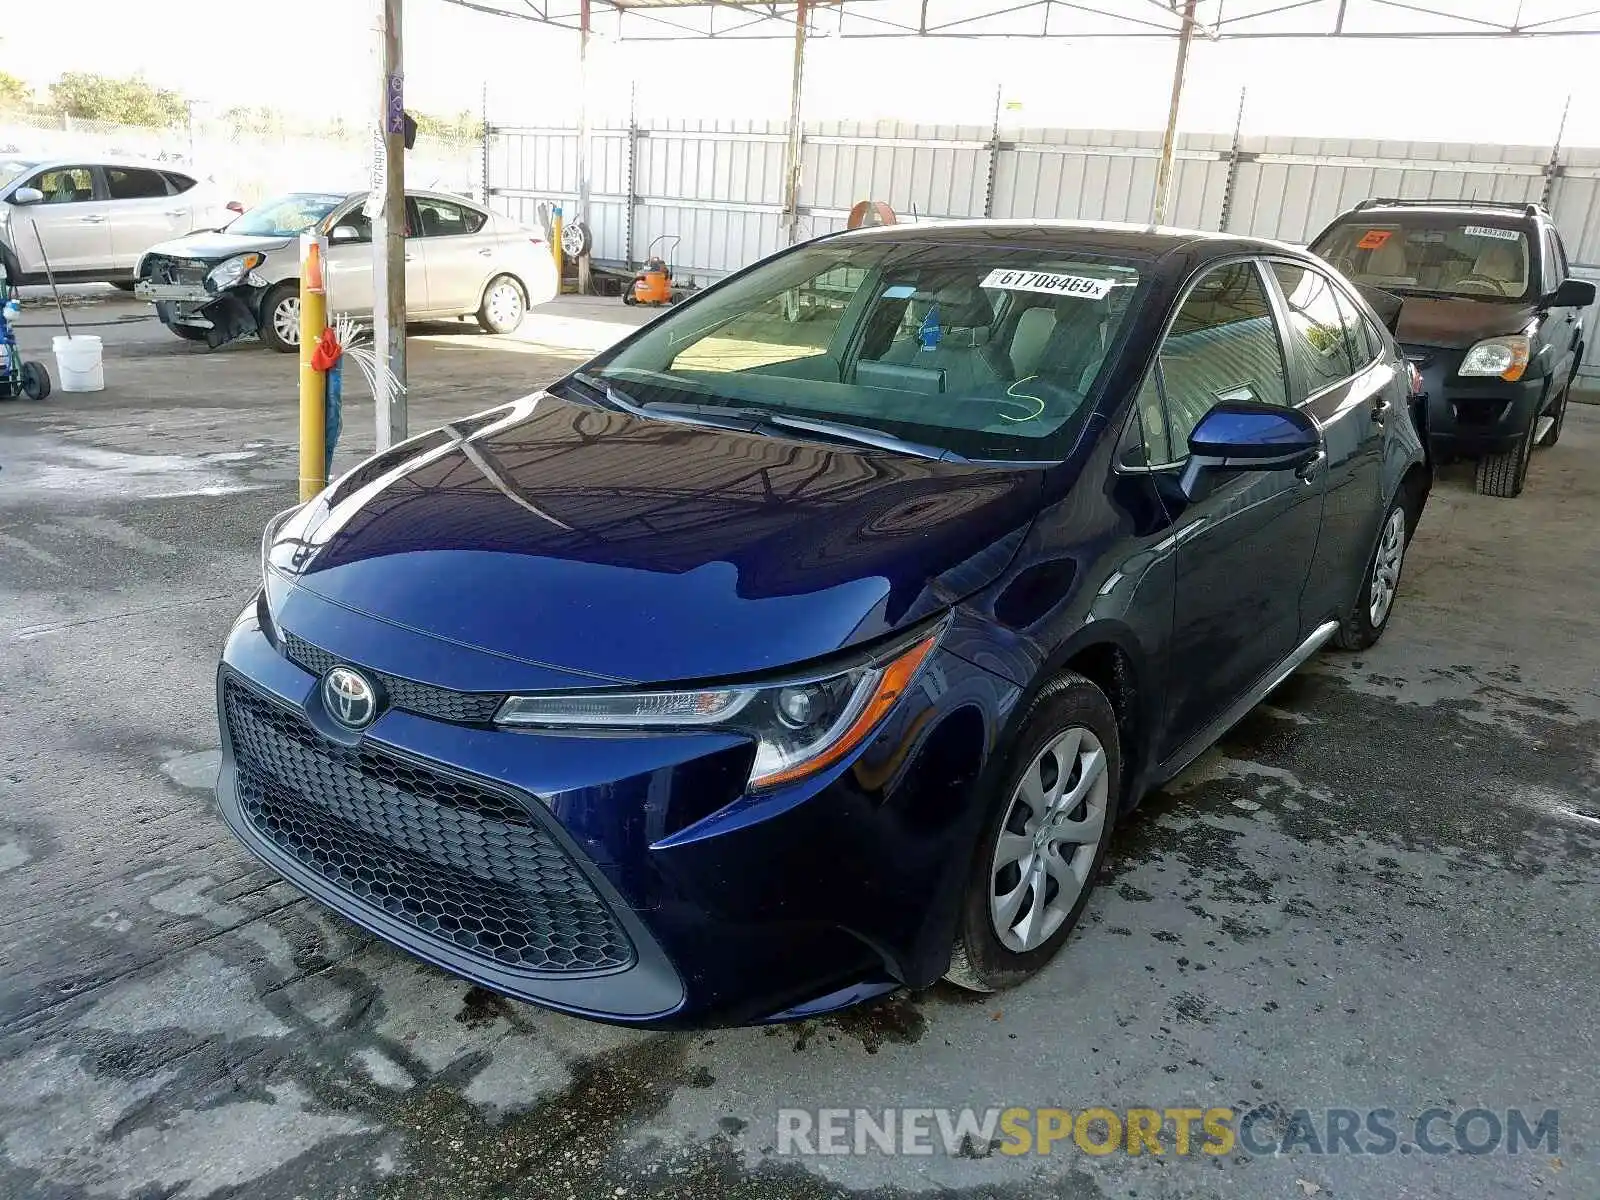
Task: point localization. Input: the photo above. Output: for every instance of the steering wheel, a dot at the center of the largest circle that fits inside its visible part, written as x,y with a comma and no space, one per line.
1498,284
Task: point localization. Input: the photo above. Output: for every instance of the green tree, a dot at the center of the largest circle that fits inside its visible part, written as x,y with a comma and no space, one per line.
463,127
131,101
13,92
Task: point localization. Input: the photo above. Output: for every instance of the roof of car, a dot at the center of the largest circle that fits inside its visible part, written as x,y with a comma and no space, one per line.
1147,242
1513,210
45,162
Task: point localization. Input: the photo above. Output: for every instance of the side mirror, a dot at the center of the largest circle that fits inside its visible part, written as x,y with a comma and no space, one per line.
1573,293
345,233
27,195
1247,435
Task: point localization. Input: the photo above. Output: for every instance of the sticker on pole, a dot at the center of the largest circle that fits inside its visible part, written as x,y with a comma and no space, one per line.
1082,286
1489,231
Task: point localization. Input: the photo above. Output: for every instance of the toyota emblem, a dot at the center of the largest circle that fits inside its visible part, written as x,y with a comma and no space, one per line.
349,698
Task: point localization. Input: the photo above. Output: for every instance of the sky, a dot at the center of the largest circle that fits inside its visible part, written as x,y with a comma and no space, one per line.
318,56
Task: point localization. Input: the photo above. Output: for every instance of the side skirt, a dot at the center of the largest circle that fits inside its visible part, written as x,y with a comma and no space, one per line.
1236,712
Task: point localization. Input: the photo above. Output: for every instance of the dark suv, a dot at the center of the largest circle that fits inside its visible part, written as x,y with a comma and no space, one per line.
1489,317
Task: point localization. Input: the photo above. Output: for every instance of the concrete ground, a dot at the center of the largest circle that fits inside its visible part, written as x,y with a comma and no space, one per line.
1381,891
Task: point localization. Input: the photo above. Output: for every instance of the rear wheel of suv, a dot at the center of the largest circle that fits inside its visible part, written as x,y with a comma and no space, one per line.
1049,824
189,333
1504,474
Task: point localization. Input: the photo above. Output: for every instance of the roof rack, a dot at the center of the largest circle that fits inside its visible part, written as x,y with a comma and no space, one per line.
1532,209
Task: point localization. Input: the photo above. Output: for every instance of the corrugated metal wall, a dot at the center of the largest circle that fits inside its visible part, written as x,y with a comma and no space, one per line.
718,185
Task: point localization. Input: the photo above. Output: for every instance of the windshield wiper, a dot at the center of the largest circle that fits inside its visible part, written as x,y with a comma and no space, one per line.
865,436
683,414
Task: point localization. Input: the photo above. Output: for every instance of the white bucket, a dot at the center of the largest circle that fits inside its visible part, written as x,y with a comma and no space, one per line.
78,365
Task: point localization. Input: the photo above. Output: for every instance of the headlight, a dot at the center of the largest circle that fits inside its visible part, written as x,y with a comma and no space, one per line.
226,274
279,555
800,725
1506,357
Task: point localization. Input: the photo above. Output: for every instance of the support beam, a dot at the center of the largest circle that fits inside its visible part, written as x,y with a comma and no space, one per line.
387,208
796,147
583,140
1169,142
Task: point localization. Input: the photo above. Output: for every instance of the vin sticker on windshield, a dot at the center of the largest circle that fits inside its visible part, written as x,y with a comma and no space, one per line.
1049,282
1488,231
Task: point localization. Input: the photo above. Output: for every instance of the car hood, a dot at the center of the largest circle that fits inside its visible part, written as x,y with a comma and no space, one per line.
644,550
1457,324
214,247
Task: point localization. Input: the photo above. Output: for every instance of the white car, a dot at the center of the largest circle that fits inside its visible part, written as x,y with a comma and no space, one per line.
461,260
95,217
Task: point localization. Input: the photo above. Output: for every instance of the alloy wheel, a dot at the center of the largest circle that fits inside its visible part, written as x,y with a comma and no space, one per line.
1047,844
1386,567
286,320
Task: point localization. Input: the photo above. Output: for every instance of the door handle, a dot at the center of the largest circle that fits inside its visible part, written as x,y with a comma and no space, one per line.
176,212
92,220
485,252
1309,471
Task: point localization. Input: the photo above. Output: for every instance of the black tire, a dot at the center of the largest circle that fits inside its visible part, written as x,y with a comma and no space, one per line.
493,316
979,961
188,333
1504,474
1357,630
35,381
122,285
270,303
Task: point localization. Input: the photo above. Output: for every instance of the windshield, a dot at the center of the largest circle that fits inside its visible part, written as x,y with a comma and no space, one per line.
286,216
988,352
11,168
1431,255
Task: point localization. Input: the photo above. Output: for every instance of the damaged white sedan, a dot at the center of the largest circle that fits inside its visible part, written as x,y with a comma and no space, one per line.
461,260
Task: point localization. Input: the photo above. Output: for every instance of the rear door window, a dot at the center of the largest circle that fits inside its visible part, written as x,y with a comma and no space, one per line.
178,182
1325,340
442,218
134,183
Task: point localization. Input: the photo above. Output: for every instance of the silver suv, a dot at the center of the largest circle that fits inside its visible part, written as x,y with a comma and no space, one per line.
95,217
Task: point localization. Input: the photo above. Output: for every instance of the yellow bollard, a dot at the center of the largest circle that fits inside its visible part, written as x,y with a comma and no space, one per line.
555,245
313,386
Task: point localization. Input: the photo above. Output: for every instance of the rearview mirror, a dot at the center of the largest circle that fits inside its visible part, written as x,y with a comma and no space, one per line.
1247,435
1573,293
27,195
345,233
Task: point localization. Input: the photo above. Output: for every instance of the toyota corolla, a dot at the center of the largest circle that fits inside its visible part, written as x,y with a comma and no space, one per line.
810,642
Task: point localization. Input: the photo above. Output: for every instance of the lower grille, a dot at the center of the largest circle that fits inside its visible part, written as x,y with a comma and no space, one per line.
1479,411
461,864
442,704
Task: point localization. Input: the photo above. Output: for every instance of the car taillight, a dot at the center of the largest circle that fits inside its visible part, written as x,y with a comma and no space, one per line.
234,206
1416,378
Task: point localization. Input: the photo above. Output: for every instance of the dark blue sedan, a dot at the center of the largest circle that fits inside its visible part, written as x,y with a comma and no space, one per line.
810,642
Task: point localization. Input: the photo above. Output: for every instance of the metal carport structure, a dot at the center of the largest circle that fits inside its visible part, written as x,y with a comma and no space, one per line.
1179,20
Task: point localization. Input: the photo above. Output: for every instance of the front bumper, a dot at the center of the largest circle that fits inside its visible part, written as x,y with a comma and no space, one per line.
636,880
1471,416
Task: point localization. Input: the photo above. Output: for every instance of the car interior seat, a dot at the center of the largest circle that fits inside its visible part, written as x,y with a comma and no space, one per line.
1388,261
964,351
1502,262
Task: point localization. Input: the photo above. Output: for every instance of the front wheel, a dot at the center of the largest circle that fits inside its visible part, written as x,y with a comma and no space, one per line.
503,305
280,318
1367,620
1504,474
1048,830
189,333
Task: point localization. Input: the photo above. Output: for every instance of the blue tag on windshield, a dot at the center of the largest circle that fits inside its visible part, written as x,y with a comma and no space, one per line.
929,335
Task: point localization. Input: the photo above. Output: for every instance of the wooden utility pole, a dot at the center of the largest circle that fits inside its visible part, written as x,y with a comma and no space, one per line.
1169,143
795,148
583,140
387,208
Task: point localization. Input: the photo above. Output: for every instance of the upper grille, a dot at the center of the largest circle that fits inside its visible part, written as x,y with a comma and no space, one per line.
442,704
163,268
459,863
